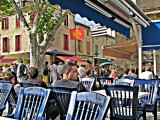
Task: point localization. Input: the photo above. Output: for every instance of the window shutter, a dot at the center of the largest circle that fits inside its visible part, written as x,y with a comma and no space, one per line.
7,44
19,43
64,41
88,48
17,21
81,46
7,26
2,24
3,44
66,21
67,43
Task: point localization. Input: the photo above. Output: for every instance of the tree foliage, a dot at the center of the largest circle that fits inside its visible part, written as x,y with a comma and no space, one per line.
46,20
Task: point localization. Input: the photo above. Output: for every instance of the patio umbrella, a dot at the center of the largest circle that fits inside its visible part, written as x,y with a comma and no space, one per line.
56,52
105,63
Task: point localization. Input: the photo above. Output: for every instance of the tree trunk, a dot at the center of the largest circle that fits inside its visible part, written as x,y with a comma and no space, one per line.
36,56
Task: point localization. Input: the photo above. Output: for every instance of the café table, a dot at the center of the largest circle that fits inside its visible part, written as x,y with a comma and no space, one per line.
5,118
140,94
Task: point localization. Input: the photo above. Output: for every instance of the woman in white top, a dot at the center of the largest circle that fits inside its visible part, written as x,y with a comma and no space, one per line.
147,74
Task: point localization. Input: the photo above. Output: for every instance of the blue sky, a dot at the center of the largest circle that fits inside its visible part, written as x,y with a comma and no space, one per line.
85,21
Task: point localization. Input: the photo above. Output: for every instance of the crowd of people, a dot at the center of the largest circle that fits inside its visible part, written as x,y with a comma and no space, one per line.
52,74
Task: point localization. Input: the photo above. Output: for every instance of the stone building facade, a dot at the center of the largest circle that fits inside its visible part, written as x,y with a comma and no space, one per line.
84,48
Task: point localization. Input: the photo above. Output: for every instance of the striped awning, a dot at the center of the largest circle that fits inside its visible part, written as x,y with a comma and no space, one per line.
121,50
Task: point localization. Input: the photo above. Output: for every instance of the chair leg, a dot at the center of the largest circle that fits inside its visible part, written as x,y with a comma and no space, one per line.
155,112
144,113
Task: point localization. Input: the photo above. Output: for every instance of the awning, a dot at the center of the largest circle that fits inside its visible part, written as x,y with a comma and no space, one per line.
75,58
121,50
56,52
82,7
151,37
7,60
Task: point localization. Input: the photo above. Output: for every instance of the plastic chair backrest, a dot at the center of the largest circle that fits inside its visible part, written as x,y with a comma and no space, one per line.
31,103
28,84
124,100
124,82
104,80
5,90
88,83
87,106
62,96
4,81
150,86
128,77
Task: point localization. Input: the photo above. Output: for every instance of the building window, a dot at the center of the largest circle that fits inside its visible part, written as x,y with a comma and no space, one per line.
66,42
102,39
87,32
18,42
66,21
102,53
96,48
32,17
5,23
109,41
88,47
79,45
17,21
5,44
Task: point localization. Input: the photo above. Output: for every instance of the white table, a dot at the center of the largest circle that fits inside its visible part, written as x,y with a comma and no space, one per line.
5,118
140,94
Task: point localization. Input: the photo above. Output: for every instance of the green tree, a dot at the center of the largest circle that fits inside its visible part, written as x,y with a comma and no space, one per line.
41,33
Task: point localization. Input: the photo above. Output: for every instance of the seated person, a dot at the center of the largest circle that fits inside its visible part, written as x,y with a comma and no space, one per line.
147,74
11,72
1,73
33,74
132,73
70,75
114,74
126,72
11,77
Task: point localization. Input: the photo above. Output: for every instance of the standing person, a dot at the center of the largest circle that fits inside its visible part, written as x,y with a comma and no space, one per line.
15,68
1,73
53,72
28,66
70,75
11,66
22,72
59,69
45,73
5,68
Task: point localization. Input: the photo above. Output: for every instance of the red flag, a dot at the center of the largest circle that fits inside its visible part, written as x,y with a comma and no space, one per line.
77,34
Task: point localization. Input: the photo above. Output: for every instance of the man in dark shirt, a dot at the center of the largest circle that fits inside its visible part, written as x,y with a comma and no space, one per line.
70,75
33,74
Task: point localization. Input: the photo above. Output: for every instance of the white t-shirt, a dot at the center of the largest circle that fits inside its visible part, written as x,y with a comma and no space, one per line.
81,71
146,75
